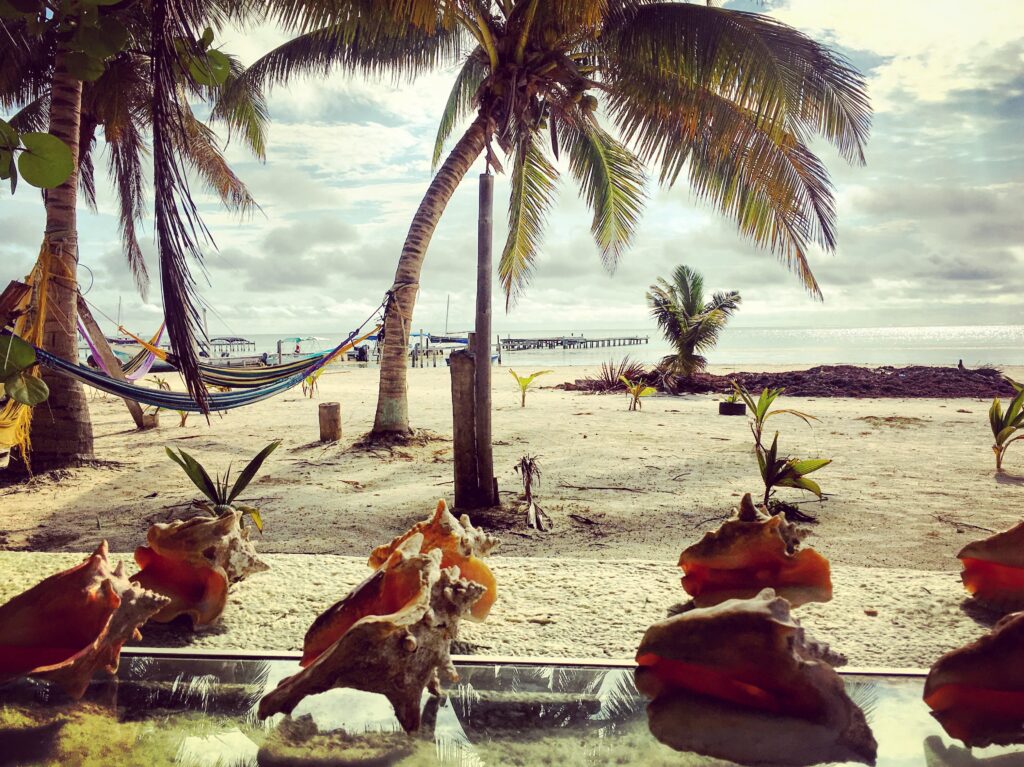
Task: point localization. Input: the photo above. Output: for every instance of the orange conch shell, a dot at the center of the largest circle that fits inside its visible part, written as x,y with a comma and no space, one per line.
193,562
398,654
994,569
752,551
461,545
74,623
748,664
977,691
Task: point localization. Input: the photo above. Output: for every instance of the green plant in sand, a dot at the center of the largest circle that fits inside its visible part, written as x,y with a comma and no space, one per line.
17,381
1007,425
636,391
222,496
760,410
787,472
525,382
529,471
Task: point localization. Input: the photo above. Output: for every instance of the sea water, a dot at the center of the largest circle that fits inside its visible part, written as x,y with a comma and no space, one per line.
196,712
976,345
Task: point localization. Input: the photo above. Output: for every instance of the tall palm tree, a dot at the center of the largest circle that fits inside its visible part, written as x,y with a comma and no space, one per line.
687,322
616,86
141,90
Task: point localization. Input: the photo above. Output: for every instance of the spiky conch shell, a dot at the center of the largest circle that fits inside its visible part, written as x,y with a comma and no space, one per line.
976,692
193,562
746,666
994,570
751,551
74,623
397,654
461,545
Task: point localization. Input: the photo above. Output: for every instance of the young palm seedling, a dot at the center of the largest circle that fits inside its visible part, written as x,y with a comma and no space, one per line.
787,472
221,499
525,382
529,470
1007,425
760,410
636,391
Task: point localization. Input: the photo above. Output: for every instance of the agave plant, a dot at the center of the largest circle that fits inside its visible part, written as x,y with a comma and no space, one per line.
761,410
525,382
1008,425
636,390
220,493
17,359
787,472
610,374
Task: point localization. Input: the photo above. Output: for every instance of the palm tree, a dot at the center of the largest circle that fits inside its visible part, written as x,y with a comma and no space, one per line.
140,89
687,322
614,86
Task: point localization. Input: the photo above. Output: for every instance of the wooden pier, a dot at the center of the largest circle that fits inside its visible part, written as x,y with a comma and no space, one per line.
567,342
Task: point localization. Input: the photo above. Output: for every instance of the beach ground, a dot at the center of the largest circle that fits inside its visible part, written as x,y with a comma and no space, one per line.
911,480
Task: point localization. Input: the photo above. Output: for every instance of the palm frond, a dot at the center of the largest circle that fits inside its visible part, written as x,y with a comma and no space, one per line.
241,105
461,100
533,181
611,180
33,116
126,149
86,166
758,63
201,152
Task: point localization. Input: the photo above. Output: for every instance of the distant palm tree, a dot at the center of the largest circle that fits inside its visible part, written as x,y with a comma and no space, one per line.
689,324
726,98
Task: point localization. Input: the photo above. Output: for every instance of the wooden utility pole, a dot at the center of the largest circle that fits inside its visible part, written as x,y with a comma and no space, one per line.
111,362
482,351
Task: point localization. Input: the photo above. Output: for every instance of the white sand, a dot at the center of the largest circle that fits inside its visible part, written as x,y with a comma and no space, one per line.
911,482
568,608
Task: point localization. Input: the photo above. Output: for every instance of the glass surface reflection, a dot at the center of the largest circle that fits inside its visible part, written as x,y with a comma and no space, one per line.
200,712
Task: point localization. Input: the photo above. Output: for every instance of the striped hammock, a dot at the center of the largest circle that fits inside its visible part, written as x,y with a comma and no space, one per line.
135,368
168,400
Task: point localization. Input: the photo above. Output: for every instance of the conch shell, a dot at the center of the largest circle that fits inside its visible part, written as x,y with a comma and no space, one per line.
752,551
397,654
193,562
977,691
746,666
461,545
74,623
994,569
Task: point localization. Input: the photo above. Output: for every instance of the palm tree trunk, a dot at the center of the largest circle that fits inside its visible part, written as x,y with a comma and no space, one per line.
61,429
392,416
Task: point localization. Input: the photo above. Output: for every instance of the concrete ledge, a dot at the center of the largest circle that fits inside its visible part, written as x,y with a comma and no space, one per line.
566,608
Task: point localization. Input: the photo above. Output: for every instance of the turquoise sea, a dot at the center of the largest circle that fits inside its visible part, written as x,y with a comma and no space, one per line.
976,345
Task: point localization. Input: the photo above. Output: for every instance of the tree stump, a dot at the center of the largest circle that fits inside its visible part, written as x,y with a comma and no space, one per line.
330,421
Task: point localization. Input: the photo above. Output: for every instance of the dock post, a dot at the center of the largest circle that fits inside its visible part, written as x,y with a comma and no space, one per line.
280,354
330,421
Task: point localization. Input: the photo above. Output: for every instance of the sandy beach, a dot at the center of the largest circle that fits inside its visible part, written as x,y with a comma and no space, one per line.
911,480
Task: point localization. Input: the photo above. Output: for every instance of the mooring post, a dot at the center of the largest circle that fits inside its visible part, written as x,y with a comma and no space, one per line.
464,429
330,421
482,347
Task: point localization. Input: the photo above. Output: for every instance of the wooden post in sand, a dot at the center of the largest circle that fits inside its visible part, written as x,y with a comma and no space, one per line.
464,428
482,345
330,421
112,363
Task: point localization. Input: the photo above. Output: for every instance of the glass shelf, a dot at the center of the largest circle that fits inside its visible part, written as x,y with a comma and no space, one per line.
199,712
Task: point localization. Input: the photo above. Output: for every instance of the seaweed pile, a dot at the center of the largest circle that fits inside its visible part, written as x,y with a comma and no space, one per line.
838,381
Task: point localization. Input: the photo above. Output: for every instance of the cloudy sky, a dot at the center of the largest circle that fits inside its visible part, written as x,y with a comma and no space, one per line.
931,231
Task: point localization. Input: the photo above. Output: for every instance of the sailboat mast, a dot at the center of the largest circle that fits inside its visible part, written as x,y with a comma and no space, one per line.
446,309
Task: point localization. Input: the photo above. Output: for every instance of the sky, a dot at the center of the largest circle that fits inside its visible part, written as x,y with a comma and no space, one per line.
931,230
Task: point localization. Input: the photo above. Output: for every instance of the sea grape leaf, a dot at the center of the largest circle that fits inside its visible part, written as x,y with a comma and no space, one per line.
15,355
26,388
46,161
84,66
8,136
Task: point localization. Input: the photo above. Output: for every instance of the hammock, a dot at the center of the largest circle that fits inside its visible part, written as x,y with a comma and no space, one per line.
135,368
245,378
181,401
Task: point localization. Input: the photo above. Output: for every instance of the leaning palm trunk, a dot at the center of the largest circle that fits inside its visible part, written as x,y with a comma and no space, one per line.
61,433
392,399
